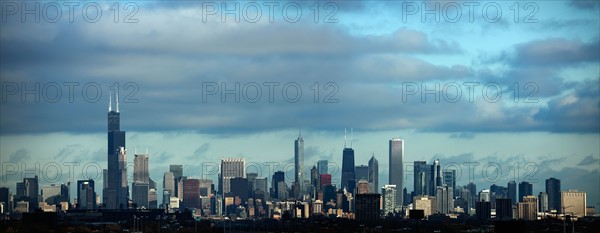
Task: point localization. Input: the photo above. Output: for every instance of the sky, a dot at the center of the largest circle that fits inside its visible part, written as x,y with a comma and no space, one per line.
497,90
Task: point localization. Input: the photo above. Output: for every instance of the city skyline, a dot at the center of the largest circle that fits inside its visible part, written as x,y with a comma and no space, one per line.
238,195
289,180
194,87
236,168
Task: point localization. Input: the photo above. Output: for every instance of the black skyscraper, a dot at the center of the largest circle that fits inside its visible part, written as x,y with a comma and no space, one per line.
512,192
503,209
4,198
348,179
525,189
28,191
116,194
278,176
483,210
299,161
86,195
553,191
423,178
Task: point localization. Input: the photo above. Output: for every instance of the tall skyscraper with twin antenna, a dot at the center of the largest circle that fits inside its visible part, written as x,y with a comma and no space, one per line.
299,160
116,193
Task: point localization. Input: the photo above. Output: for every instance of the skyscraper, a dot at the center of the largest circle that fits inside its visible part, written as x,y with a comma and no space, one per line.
367,207
423,178
361,172
322,166
449,177
373,175
472,190
528,208
389,198
53,194
86,195
483,210
168,188
140,189
485,195
445,201
251,176
348,179
260,183
278,176
525,189
426,203
542,202
324,180
177,171
299,161
140,169
573,203
437,174
4,198
231,168
116,194
512,192
169,182
28,191
191,194
396,170
205,187
362,187
239,189
504,209
553,191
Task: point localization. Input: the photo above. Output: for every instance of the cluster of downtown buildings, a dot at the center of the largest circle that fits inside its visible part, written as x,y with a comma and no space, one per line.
246,195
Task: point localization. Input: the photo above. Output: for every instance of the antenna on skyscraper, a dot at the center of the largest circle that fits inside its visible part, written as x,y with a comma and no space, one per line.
345,138
110,102
351,136
146,150
117,97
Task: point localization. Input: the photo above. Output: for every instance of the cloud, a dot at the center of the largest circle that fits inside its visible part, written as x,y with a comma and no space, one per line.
462,135
19,156
169,56
556,52
588,160
584,4
579,110
66,152
200,152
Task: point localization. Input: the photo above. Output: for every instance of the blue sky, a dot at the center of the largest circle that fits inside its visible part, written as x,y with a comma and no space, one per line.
370,62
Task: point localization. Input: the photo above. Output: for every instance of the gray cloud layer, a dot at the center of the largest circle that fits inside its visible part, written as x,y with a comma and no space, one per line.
171,55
